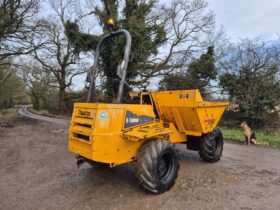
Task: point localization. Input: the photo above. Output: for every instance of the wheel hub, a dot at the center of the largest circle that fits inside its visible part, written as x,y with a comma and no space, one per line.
164,166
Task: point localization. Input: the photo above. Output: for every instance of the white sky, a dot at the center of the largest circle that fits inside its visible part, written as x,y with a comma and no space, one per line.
248,18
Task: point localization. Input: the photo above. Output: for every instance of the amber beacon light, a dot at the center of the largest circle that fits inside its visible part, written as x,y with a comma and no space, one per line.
111,22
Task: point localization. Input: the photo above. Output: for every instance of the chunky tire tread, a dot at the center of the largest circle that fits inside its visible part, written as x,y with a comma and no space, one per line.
147,163
208,149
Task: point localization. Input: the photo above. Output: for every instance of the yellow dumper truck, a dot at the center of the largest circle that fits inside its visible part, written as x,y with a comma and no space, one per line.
145,133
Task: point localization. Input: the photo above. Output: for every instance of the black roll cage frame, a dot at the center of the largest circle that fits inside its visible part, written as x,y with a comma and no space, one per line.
123,67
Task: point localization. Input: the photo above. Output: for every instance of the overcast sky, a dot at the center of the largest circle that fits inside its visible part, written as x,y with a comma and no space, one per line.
248,18
245,19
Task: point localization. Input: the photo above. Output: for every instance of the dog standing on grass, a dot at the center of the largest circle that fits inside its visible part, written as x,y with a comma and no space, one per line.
248,133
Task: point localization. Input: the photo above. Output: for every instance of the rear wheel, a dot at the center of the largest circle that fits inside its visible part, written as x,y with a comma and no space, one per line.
157,166
211,146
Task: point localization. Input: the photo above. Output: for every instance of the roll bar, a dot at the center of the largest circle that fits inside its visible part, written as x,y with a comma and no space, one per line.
121,69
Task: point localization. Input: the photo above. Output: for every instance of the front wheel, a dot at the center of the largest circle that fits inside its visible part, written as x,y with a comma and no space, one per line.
211,146
157,166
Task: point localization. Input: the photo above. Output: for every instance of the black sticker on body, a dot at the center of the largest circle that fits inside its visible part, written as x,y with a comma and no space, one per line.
132,119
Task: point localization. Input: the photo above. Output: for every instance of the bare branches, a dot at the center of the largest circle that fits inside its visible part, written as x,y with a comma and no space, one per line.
56,55
251,76
251,54
17,24
186,23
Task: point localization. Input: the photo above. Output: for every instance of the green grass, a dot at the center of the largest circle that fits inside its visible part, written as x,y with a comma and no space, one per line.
263,137
7,115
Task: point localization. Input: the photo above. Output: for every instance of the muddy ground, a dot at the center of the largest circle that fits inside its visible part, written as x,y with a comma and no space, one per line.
37,172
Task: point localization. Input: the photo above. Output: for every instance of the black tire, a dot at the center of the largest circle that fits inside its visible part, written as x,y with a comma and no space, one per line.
211,146
157,166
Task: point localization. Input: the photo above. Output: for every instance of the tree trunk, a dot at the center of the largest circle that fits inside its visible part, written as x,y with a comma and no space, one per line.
61,101
11,104
62,98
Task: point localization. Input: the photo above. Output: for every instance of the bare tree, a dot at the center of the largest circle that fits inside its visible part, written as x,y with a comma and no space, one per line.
39,83
56,55
187,24
17,27
251,77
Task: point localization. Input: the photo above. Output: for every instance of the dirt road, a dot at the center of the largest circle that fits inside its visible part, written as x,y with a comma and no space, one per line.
37,172
24,112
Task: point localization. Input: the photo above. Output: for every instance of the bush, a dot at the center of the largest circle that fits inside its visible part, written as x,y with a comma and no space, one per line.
269,122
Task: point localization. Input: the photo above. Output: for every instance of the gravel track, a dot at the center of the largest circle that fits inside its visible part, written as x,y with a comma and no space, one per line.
38,172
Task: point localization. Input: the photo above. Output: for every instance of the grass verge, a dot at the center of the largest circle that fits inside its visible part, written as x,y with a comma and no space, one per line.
263,137
7,115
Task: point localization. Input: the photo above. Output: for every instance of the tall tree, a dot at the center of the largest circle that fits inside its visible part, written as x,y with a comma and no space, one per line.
57,55
251,78
146,37
177,25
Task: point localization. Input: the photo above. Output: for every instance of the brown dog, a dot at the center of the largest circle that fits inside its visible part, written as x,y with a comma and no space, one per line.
248,133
